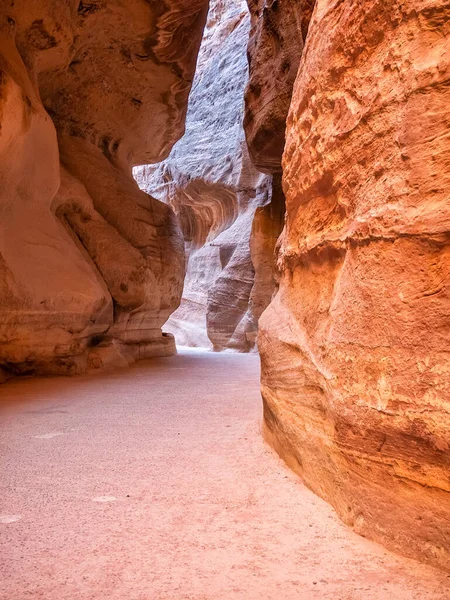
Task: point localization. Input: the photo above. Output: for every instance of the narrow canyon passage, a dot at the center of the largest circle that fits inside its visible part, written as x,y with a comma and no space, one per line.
154,483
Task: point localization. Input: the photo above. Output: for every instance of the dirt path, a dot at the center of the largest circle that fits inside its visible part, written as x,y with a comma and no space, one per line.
154,484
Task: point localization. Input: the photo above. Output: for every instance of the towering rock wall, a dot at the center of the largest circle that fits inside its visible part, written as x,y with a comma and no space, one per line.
219,197
355,361
90,266
277,36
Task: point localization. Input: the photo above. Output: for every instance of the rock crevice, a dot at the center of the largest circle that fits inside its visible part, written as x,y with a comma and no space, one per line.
218,196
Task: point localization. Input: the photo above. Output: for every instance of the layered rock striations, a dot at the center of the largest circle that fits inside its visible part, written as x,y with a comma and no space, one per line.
90,266
219,197
355,356
277,36
355,368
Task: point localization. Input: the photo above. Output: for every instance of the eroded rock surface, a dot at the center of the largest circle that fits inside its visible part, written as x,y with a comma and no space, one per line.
90,266
355,346
278,32
215,191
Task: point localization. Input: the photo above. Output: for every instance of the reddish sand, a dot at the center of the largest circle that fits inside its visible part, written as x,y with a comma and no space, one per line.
154,484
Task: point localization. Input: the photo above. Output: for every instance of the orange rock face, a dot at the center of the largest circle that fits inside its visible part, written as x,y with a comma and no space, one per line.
355,347
90,266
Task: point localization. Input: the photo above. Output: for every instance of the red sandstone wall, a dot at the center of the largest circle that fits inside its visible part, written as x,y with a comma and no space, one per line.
90,266
355,347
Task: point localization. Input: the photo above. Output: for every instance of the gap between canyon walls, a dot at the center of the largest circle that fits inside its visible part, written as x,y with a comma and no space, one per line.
223,178
230,213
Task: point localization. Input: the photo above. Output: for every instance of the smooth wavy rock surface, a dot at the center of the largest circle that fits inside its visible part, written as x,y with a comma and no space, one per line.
90,266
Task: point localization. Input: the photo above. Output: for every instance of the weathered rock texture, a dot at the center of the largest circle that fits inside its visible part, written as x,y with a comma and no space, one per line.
278,31
219,197
90,266
355,346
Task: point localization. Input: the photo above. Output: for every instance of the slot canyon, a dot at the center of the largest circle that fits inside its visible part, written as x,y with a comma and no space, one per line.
224,299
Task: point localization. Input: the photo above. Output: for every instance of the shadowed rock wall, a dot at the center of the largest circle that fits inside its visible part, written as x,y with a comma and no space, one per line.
90,266
277,35
355,367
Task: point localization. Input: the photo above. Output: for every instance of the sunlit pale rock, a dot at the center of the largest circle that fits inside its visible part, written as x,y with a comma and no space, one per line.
215,190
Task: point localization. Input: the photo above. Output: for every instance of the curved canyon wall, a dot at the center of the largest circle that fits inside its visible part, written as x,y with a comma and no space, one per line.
90,266
355,368
355,361
223,203
277,37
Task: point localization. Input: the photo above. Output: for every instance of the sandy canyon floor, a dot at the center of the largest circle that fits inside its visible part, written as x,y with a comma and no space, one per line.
154,484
